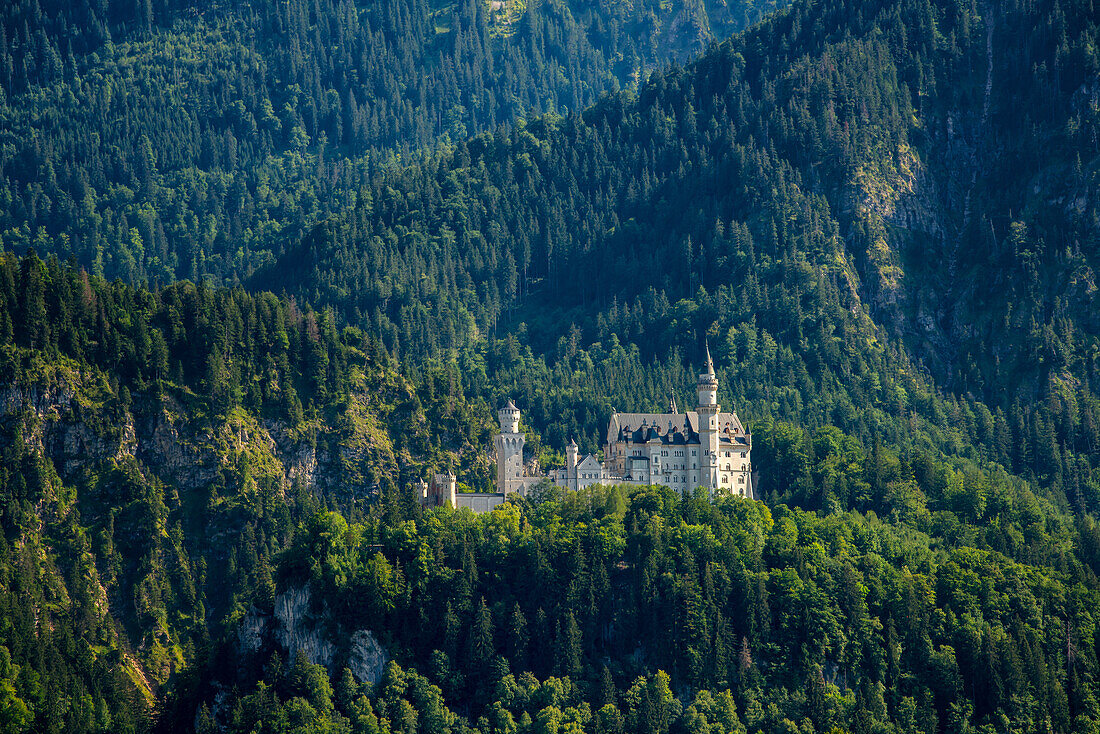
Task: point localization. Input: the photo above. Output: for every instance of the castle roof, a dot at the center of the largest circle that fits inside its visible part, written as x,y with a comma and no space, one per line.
589,463
682,428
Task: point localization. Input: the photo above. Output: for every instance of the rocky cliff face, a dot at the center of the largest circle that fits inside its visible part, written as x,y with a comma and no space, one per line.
76,423
168,498
56,426
298,625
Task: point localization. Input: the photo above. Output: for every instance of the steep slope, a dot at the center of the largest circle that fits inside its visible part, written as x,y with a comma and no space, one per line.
191,138
167,454
822,196
641,610
159,448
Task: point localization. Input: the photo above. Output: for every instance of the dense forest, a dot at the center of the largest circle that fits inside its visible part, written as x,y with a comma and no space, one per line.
154,500
159,449
183,139
648,611
262,267
812,197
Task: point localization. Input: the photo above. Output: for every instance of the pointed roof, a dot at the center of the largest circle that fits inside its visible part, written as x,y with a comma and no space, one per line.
572,444
589,462
710,362
510,405
682,428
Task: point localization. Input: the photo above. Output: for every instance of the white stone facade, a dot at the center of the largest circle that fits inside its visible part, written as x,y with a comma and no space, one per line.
509,446
683,450
698,448
579,473
701,448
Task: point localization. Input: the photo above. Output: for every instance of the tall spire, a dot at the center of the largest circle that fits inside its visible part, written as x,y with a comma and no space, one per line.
672,405
708,423
708,382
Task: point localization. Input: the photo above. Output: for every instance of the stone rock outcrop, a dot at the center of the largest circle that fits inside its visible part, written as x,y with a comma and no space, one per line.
367,658
296,626
297,630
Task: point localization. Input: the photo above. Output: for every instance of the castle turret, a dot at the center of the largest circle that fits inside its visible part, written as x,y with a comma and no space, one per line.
509,445
509,418
445,486
708,425
571,452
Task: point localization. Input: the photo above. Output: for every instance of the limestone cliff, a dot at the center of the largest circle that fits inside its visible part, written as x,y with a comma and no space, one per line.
300,625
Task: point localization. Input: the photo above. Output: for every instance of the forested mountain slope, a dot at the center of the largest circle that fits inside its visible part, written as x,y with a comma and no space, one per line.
157,450
183,138
883,213
169,454
642,610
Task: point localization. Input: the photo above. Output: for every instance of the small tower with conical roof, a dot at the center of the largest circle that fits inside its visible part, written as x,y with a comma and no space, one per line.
509,445
708,425
571,453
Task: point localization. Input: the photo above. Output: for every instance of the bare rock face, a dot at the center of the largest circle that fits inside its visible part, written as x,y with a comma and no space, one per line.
298,631
252,631
157,431
57,430
367,658
299,457
296,626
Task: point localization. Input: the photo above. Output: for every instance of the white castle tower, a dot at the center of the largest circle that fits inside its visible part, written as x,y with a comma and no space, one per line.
571,452
509,445
708,425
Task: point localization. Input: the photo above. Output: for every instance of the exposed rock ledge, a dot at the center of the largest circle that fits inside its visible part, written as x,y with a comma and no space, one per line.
295,627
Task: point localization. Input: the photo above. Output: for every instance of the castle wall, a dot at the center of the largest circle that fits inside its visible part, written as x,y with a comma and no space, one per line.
704,447
479,501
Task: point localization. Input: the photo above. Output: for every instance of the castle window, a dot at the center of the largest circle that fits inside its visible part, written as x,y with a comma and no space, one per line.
664,453
693,452
742,454
725,479
740,480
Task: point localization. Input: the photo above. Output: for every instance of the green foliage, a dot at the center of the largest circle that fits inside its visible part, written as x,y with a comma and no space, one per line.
792,195
144,492
880,214
205,137
691,613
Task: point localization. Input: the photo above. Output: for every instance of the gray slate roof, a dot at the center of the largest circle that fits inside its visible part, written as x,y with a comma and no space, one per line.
672,428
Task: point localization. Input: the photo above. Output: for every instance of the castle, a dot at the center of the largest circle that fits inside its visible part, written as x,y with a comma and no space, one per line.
699,448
